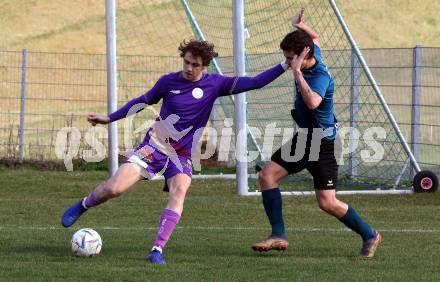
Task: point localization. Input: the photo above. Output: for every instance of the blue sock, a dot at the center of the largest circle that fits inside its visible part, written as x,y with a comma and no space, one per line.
353,221
274,210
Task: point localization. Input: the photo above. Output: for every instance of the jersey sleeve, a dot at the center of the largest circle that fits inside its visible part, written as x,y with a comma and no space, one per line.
154,95
235,85
150,97
319,83
317,52
226,84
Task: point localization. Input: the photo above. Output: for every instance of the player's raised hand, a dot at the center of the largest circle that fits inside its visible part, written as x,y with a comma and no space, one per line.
95,119
297,19
298,60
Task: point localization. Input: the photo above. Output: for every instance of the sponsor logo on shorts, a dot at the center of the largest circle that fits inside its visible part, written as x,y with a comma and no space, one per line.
329,183
145,154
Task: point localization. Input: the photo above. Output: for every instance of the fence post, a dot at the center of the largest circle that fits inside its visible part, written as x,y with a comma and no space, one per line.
354,109
415,110
22,108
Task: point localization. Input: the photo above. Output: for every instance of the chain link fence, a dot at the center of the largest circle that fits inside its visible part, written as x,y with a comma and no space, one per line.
42,93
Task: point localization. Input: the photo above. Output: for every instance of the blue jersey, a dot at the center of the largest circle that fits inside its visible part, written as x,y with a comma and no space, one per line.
320,81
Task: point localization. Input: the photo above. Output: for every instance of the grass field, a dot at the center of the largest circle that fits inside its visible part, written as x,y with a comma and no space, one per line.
212,241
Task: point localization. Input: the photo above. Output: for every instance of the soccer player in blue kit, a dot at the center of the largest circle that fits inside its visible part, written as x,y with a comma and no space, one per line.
188,97
314,113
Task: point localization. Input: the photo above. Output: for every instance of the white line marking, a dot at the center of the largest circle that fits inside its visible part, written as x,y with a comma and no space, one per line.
389,230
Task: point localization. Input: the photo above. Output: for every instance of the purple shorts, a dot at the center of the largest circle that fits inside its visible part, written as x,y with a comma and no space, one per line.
155,163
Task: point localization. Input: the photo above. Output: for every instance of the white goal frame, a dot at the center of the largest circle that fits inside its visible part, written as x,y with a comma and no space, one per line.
239,32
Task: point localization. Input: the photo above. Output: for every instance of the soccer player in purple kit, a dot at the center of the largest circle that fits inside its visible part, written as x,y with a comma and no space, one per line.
188,97
314,112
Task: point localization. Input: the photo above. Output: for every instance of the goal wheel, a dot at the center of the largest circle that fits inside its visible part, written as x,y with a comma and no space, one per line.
425,181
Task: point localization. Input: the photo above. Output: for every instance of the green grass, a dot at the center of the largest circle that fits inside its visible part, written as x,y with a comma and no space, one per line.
212,241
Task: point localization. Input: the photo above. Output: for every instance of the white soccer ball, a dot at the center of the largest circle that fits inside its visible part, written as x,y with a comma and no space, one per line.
86,242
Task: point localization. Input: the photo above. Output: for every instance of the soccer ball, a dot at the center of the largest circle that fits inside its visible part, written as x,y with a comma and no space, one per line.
86,242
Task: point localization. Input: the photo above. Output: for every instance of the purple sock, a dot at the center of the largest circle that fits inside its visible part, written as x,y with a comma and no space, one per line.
168,221
90,201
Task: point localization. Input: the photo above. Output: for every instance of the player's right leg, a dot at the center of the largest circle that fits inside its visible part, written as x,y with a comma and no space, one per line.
283,162
268,178
126,176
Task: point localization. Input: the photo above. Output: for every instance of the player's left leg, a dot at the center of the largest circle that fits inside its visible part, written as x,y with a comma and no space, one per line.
328,202
325,173
177,183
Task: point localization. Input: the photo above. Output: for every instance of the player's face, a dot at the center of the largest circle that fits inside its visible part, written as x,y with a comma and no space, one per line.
192,67
289,55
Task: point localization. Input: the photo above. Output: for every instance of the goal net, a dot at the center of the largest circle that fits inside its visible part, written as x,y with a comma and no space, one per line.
149,32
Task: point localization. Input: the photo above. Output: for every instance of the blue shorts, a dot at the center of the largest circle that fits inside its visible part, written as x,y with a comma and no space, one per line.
154,163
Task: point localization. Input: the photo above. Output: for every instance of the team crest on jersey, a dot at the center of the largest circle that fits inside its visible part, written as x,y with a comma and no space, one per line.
197,93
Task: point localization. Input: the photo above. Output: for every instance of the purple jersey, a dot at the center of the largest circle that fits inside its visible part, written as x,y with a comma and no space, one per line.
187,106
192,102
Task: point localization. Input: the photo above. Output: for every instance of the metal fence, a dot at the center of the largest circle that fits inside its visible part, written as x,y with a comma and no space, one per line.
43,92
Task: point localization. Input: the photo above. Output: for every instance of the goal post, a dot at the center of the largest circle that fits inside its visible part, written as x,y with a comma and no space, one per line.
246,34
112,98
267,24
240,99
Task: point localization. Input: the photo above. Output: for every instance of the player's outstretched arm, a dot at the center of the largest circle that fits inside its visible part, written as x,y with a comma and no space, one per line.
297,21
133,106
138,104
95,119
245,83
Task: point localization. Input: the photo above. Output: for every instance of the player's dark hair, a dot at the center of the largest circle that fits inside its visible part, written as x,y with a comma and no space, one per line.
198,48
296,41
